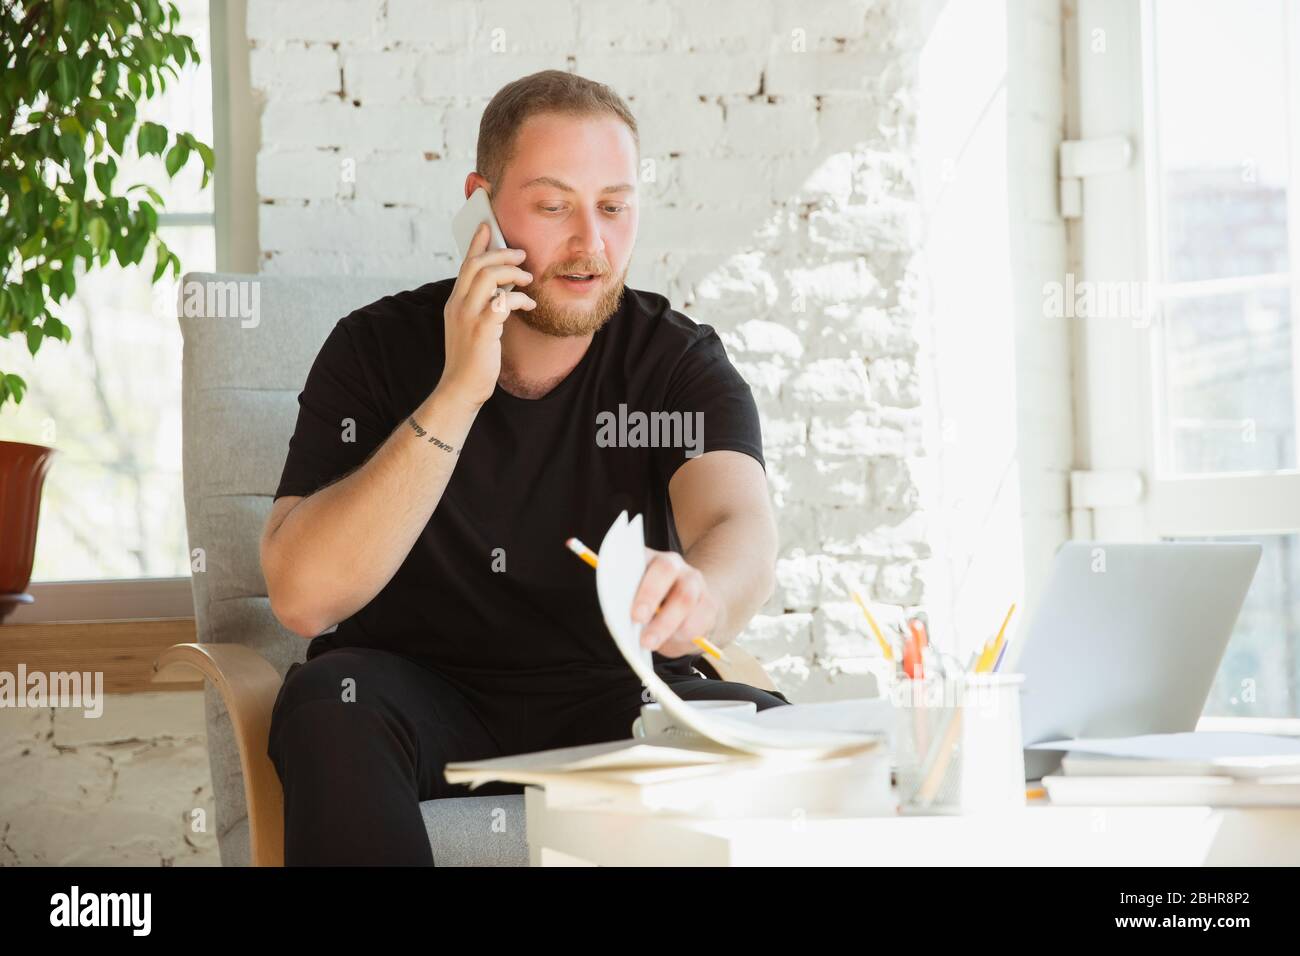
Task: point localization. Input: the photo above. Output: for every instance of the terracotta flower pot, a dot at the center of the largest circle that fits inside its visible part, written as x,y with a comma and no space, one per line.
22,475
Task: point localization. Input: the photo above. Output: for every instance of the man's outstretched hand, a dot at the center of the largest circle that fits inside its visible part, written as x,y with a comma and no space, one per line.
687,607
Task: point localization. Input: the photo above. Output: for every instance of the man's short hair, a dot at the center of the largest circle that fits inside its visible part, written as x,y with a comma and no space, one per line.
547,91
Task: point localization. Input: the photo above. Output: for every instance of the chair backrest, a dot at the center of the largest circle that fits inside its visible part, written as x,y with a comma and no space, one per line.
242,371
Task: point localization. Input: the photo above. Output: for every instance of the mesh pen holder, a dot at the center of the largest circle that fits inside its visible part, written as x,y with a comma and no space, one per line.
957,744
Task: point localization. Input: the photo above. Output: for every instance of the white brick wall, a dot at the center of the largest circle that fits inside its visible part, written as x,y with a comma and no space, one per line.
122,789
783,210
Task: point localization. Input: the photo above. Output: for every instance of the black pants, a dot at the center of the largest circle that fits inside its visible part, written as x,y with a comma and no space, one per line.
360,736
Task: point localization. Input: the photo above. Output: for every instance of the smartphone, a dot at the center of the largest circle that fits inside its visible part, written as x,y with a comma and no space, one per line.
477,209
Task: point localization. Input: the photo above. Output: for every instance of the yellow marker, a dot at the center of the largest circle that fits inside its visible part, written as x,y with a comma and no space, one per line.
1035,793
584,552
875,628
990,654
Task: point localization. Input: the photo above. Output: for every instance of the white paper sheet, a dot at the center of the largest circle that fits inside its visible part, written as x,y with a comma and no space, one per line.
621,563
859,715
658,751
1194,746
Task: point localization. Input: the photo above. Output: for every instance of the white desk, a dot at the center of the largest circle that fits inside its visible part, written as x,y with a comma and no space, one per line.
1039,835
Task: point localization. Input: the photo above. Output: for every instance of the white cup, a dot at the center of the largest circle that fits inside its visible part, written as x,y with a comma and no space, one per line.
655,720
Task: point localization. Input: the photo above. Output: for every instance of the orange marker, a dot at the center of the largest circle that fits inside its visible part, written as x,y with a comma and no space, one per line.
912,656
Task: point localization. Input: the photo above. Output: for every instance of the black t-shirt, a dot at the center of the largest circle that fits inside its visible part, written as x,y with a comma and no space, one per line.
489,591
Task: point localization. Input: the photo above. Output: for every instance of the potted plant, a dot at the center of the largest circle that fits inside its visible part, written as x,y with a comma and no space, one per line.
72,73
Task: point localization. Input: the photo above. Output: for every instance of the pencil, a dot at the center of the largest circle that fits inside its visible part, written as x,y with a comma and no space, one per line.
875,628
581,550
938,768
1001,654
703,643
706,645
991,650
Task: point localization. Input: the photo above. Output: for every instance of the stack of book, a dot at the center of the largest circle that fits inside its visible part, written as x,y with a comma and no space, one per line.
685,773
1196,768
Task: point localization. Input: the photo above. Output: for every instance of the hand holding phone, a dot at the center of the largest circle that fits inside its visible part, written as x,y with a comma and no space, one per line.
476,311
476,211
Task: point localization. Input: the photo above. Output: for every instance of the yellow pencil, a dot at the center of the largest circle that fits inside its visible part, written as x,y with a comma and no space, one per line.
706,645
991,650
581,550
703,643
875,628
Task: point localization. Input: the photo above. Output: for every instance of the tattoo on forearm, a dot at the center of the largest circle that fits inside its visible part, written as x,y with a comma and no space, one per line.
410,420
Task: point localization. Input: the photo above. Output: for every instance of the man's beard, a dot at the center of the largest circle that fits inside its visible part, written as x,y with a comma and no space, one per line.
561,316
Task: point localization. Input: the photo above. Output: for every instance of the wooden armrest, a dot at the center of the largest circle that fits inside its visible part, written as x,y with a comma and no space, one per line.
743,667
248,685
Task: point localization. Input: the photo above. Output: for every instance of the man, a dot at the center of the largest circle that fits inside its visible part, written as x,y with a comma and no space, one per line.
449,440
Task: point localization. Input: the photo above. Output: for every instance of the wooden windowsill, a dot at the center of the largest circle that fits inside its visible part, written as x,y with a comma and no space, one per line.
124,650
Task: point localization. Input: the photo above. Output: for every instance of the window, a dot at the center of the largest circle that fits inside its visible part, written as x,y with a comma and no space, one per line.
1222,180
1198,395
1260,675
109,400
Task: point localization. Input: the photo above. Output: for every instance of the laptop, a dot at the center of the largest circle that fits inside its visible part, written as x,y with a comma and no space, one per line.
1127,639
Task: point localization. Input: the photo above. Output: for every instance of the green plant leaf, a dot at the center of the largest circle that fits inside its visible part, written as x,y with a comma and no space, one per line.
33,244
112,74
149,191
176,157
70,124
121,123
137,240
79,23
73,150
54,329
15,385
104,173
67,82
151,138
163,256
176,47
36,71
209,158
34,333
149,216
149,52
97,230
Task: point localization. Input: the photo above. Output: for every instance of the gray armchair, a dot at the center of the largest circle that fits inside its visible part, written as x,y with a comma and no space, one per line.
240,383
